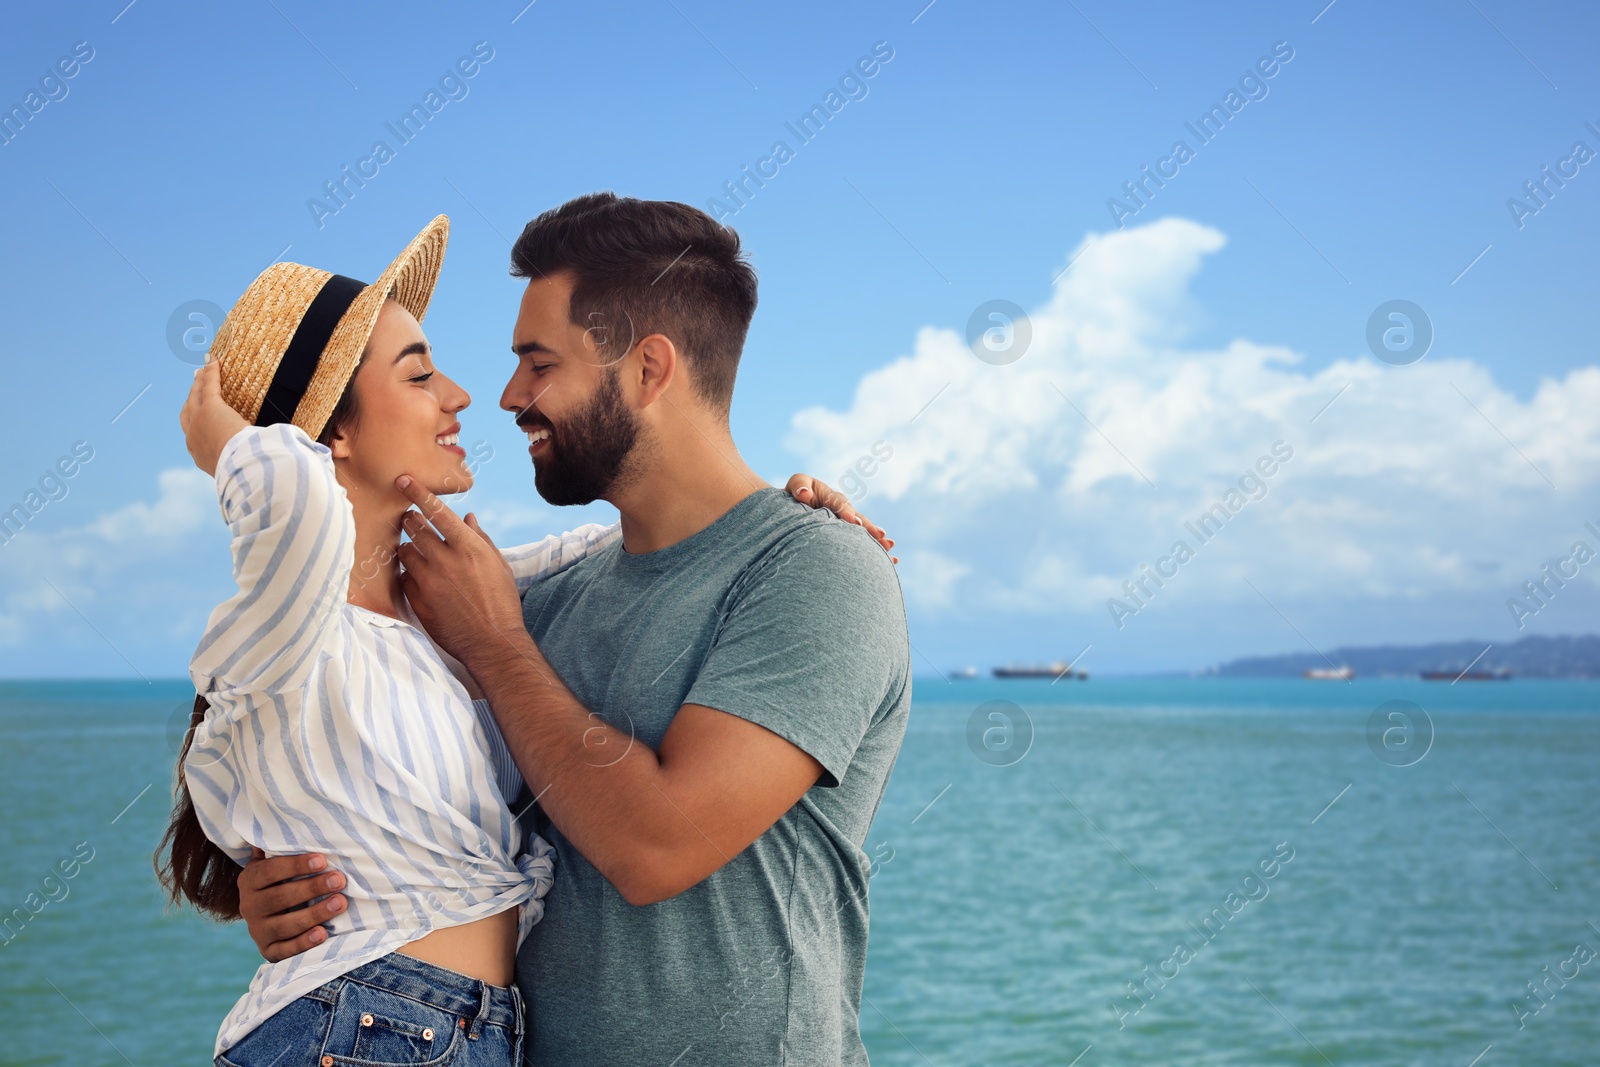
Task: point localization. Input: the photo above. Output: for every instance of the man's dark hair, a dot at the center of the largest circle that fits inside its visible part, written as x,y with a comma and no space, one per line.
650,266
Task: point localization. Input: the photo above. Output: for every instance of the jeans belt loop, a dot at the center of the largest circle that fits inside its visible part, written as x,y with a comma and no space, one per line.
476,1028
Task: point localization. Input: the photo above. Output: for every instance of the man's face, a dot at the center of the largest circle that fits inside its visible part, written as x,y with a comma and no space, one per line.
567,396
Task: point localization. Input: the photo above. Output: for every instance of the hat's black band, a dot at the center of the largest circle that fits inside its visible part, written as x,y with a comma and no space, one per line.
293,376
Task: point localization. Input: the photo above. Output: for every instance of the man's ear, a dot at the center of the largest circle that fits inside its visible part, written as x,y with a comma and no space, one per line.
658,366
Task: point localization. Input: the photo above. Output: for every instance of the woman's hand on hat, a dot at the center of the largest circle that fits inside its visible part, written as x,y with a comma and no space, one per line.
207,420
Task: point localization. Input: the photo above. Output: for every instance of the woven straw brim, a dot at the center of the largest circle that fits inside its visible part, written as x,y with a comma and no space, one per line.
253,337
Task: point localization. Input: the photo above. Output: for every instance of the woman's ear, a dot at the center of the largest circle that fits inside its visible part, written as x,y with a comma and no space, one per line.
339,444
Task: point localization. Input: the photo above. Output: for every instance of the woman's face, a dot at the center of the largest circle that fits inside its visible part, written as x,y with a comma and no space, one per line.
405,415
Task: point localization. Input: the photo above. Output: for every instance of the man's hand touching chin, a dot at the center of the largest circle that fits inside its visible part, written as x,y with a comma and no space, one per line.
456,580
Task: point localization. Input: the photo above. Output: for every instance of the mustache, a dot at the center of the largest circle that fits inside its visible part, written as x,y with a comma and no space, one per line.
527,422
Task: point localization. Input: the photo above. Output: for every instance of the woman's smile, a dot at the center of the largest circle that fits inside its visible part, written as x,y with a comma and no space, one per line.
449,440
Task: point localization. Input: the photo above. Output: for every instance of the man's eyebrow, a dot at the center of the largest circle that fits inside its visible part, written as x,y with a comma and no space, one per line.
529,347
415,348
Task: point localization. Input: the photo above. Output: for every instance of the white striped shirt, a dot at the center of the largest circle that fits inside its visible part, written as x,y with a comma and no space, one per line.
338,730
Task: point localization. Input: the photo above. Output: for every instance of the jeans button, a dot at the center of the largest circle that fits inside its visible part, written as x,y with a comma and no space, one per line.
327,1061
427,1033
366,1019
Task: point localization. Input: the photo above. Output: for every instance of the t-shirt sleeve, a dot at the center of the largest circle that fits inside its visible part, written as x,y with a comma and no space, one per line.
812,644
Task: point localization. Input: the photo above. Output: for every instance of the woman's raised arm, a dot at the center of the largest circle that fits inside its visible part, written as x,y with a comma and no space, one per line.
293,546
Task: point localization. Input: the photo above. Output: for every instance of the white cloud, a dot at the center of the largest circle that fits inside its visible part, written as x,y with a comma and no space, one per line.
930,577
144,572
186,501
1398,491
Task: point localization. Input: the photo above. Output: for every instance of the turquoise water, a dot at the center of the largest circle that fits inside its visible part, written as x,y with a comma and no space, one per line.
1012,903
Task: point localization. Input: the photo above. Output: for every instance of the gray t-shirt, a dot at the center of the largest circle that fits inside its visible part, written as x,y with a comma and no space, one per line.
793,620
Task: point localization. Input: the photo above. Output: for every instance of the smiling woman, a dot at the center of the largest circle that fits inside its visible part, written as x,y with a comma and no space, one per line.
418,433
340,384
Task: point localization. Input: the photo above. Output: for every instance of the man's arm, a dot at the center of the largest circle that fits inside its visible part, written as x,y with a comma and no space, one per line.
653,822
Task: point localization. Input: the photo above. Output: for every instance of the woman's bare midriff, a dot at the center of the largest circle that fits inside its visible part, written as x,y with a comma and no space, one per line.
485,949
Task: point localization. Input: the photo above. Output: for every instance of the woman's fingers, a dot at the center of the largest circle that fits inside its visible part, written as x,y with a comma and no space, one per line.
878,533
211,382
816,493
207,383
192,402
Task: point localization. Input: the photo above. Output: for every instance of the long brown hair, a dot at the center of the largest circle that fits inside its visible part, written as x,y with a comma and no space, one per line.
190,865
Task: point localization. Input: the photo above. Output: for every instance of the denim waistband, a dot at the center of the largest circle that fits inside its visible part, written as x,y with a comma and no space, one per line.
442,988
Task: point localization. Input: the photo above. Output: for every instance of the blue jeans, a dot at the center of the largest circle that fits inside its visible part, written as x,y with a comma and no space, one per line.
395,1011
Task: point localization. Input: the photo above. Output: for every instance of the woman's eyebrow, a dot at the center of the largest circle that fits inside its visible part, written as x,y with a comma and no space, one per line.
415,348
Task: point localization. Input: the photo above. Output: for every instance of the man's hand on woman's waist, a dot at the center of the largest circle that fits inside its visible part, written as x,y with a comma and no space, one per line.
275,900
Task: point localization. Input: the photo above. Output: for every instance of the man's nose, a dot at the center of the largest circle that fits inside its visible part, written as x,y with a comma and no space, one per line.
514,396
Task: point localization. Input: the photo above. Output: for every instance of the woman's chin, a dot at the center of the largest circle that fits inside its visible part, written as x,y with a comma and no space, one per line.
452,486
443,485
443,479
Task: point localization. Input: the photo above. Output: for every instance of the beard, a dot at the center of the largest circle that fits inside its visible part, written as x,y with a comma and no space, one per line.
588,452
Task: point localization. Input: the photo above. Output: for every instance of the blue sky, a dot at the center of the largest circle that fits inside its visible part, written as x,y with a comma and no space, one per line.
973,165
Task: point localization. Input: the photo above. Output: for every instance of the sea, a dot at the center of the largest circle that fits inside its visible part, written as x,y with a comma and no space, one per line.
1083,873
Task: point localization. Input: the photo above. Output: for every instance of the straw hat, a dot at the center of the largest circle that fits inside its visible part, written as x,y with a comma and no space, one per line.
287,349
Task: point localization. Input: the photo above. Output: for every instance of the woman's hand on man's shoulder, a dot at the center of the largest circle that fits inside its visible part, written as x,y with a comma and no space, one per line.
815,493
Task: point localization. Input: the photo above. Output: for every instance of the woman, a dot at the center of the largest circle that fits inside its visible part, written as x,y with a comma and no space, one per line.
326,720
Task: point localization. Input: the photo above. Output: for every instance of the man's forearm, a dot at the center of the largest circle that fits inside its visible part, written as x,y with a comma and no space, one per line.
603,788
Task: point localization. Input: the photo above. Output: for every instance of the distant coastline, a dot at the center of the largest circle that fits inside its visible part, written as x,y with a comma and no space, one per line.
1567,657
1529,657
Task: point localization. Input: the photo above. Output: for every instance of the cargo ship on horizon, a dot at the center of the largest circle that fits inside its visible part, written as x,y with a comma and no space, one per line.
1047,670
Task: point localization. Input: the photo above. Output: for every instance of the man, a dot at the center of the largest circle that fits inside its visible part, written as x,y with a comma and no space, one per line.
707,711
